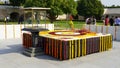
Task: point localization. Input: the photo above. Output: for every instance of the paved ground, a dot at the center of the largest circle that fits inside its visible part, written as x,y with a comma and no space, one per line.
11,57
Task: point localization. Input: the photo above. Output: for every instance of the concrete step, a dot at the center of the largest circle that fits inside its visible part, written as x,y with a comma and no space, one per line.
34,50
29,54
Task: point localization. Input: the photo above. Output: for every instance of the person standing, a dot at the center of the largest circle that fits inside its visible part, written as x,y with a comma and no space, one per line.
117,21
88,21
111,21
7,19
93,20
71,22
21,19
106,20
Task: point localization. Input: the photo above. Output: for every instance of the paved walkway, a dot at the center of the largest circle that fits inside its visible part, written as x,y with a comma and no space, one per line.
11,57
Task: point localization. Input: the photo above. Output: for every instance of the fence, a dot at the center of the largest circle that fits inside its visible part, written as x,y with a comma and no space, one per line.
14,31
114,30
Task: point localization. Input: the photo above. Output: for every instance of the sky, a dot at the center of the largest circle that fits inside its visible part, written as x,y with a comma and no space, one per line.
110,2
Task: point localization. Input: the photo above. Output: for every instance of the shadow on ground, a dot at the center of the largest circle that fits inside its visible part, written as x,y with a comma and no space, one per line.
17,48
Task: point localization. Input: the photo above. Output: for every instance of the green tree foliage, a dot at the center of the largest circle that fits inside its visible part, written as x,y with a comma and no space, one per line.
56,10
88,8
35,3
58,7
17,2
69,6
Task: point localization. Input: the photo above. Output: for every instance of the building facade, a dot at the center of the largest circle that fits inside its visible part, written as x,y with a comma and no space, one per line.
112,12
13,12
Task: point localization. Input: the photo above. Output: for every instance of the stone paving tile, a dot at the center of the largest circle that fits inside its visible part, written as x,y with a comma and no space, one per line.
11,57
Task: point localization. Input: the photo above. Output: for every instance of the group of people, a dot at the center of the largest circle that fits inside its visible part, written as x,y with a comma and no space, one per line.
91,20
111,21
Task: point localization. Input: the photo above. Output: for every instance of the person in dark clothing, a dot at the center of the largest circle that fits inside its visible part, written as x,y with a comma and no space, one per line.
111,21
88,21
21,19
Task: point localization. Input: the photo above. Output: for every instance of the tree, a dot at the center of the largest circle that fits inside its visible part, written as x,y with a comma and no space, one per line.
89,8
58,7
35,3
69,6
17,2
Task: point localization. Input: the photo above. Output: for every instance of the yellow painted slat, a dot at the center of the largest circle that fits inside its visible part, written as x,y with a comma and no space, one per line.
78,48
107,43
110,41
83,49
84,46
75,48
72,49
102,44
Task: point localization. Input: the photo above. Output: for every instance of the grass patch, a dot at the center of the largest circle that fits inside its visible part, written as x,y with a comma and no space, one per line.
77,24
60,24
